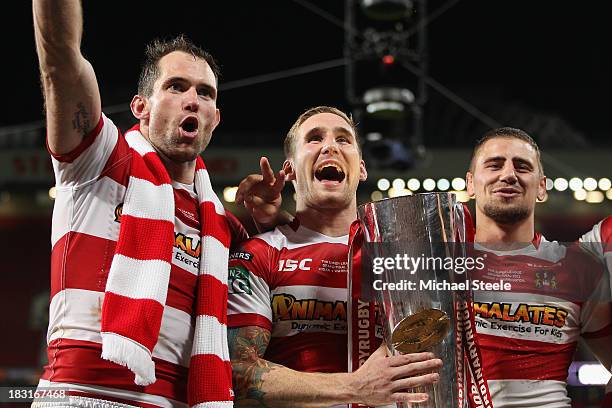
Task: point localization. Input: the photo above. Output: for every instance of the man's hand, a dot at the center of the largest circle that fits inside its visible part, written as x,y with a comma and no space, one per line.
382,380
261,195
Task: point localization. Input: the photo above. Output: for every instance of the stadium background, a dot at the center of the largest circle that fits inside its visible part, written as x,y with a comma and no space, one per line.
541,66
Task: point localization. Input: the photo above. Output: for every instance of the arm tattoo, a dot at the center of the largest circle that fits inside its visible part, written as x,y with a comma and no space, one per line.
247,345
81,121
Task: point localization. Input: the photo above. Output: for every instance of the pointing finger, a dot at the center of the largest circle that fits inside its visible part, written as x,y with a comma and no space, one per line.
266,171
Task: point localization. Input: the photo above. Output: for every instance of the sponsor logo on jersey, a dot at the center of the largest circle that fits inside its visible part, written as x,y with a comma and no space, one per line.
238,280
188,214
287,307
524,313
187,244
245,256
118,212
290,265
546,280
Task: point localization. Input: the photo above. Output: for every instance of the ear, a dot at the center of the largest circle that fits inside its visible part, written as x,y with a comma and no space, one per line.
363,172
469,181
542,188
289,171
217,118
140,107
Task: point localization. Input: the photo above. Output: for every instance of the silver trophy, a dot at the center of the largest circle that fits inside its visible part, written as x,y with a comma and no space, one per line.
414,320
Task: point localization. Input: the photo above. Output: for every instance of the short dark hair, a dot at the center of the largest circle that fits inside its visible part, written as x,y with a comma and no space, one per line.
506,132
159,48
292,134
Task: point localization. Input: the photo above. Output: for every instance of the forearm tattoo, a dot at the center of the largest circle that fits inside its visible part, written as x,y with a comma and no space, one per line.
247,345
81,121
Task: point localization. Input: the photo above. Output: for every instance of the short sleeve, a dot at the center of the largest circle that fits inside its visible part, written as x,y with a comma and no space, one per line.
249,285
86,161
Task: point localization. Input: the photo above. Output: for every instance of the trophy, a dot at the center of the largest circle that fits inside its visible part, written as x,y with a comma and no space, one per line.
413,318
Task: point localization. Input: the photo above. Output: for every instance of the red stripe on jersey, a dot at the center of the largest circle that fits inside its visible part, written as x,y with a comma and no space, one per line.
88,265
205,367
80,261
239,233
84,144
143,248
576,275
181,290
517,359
106,398
606,234
78,361
312,352
118,165
188,208
124,316
216,304
248,319
214,223
316,274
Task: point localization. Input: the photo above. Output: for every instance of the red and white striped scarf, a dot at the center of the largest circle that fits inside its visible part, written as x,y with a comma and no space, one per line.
137,283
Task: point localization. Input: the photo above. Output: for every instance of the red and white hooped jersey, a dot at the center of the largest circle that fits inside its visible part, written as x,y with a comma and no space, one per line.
292,281
528,334
598,241
91,184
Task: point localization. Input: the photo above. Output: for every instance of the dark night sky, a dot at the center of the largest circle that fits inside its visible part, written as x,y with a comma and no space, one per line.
547,56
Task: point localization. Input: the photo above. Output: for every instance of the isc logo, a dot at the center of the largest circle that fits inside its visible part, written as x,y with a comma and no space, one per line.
290,265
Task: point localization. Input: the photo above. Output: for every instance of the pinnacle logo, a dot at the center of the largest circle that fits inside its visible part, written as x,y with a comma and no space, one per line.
287,307
238,280
187,244
536,314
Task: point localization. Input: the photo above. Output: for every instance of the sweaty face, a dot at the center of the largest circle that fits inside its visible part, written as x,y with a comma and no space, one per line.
326,166
506,180
183,107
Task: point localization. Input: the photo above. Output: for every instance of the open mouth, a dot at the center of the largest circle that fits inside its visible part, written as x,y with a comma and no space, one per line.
330,172
189,125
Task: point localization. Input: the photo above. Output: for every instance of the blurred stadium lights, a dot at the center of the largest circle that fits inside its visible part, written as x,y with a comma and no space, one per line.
386,9
587,373
387,103
229,194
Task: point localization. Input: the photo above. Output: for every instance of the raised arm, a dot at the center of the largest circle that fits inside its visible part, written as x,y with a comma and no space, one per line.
72,98
381,380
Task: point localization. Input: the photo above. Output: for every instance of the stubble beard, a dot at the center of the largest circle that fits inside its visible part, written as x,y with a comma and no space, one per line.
184,155
506,215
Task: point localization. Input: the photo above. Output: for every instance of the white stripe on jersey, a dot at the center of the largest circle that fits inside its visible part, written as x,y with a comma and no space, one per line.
79,312
73,208
300,238
258,301
321,293
215,404
108,392
89,164
550,251
529,394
